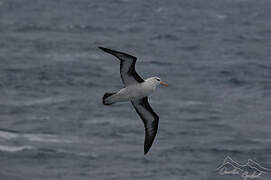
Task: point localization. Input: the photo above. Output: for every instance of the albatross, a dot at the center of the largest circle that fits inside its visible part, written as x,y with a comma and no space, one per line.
137,91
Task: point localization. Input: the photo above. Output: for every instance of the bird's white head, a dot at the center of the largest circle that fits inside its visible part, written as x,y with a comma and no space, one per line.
156,81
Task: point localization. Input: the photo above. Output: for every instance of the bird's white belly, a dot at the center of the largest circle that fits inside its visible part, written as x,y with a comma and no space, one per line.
133,92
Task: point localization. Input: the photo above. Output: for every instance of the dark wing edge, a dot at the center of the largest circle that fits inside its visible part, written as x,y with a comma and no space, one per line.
120,55
127,66
130,74
150,120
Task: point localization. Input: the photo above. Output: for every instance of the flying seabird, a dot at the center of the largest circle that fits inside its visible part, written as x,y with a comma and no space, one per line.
137,91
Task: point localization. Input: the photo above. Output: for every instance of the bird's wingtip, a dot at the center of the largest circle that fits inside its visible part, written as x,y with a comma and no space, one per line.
100,47
146,150
107,50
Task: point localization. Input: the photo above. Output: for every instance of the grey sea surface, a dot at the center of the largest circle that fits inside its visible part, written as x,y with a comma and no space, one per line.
214,54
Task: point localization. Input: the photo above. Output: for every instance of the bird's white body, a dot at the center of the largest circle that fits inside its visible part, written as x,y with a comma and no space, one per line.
134,91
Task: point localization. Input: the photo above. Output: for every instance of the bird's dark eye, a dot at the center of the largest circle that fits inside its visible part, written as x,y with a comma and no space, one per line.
158,79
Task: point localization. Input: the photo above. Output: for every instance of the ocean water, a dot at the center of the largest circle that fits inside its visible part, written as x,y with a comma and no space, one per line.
214,54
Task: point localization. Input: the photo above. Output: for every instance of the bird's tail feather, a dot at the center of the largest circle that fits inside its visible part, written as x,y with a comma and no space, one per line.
106,100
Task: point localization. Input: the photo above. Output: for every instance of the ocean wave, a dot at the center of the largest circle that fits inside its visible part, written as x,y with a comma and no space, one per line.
245,149
220,16
46,138
159,63
86,28
7,135
235,81
262,140
33,28
165,37
69,27
46,152
190,47
60,153
15,148
246,74
42,101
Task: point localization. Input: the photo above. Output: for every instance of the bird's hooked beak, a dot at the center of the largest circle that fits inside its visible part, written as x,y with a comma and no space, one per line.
163,83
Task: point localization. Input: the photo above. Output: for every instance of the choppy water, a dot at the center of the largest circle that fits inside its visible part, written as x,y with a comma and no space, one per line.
215,54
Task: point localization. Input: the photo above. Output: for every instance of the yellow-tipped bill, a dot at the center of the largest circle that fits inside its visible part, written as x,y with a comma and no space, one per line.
163,83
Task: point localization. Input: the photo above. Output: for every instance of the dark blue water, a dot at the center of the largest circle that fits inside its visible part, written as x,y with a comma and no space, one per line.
214,54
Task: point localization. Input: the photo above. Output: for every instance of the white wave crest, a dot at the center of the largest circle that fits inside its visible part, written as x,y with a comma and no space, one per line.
15,148
7,135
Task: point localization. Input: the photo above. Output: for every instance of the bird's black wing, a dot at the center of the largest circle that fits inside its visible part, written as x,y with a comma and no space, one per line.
150,120
127,67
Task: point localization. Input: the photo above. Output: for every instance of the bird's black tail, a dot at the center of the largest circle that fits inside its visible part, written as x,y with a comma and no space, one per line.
106,101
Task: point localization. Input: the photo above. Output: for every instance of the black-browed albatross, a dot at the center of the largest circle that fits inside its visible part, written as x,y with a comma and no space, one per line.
136,90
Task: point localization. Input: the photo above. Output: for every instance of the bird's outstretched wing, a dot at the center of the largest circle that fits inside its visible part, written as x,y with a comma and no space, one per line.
150,120
127,67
